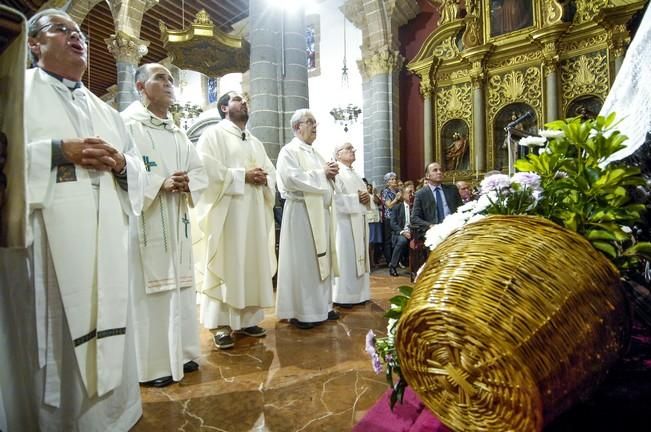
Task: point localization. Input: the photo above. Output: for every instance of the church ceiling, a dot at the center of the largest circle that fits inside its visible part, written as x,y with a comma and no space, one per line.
98,25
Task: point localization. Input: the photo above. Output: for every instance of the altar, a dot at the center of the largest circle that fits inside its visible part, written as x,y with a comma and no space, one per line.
489,62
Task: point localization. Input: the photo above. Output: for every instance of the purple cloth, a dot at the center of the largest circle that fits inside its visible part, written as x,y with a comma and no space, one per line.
410,416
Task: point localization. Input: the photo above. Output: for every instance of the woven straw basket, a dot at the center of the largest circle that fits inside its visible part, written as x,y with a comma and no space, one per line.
512,320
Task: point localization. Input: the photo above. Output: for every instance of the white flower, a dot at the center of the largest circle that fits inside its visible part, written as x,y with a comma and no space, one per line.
440,232
533,141
486,200
495,182
475,218
526,180
626,229
468,207
551,134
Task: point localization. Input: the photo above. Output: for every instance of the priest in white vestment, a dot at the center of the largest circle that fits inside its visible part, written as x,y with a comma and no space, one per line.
85,179
352,203
162,282
235,242
307,259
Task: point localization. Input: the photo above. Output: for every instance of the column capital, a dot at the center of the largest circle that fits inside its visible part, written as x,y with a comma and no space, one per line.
381,61
126,48
426,87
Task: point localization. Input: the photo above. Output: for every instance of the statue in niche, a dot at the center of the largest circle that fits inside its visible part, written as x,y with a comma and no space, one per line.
449,11
510,15
456,153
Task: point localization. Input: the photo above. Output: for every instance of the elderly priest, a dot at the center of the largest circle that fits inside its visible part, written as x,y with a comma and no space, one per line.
85,179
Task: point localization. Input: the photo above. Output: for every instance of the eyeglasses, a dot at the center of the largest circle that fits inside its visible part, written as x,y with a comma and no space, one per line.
310,122
63,28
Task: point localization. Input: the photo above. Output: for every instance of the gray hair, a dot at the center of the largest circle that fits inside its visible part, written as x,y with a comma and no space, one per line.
298,116
142,73
390,175
33,27
339,147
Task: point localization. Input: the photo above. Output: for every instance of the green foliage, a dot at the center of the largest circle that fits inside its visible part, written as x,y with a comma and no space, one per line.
584,194
386,349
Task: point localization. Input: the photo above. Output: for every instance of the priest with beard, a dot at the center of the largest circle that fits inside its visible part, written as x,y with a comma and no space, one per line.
85,180
235,253
162,282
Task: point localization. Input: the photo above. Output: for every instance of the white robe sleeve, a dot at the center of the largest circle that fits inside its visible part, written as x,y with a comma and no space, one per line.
196,173
41,176
133,199
211,151
296,179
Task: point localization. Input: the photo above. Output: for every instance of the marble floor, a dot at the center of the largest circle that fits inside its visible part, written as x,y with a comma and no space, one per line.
291,380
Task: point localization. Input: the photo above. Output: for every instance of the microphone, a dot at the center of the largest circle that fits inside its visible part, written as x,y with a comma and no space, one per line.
243,136
523,117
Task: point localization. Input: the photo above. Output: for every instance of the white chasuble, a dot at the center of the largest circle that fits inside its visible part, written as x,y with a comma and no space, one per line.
79,226
235,236
161,279
164,234
307,248
353,285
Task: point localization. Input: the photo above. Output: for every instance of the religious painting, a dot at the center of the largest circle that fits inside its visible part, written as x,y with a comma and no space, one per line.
586,107
456,145
510,15
522,125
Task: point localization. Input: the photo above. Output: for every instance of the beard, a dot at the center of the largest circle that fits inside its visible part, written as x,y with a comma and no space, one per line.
240,116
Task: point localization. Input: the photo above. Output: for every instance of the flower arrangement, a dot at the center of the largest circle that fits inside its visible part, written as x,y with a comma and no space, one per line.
383,351
568,182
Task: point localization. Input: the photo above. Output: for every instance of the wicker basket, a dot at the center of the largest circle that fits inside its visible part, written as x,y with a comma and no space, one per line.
512,320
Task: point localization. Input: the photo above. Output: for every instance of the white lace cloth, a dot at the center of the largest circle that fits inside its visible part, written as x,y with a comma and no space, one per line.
630,95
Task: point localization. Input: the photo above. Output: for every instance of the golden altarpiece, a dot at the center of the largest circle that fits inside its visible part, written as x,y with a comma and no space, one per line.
489,62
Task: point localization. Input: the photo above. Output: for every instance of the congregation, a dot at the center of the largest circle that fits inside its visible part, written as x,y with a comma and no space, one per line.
198,227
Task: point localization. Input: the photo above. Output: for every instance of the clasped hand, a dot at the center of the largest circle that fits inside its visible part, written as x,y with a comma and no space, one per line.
177,182
331,170
93,153
255,176
364,197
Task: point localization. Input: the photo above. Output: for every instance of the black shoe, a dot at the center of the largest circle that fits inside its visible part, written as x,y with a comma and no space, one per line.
160,382
301,324
333,316
345,305
393,271
190,366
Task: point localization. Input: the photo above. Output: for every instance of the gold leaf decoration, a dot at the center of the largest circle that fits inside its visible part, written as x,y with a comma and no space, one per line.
586,74
587,10
454,102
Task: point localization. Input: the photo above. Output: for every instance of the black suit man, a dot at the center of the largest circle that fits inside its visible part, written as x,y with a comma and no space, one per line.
434,201
400,228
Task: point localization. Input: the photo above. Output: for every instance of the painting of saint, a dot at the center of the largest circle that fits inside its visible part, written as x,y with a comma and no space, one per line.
455,145
510,15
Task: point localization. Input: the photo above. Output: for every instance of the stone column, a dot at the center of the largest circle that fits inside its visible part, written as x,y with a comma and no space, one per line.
128,51
426,92
551,92
367,96
381,67
478,126
278,72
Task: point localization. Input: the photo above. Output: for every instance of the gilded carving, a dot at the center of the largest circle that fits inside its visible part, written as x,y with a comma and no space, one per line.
472,35
454,102
448,11
202,18
425,87
446,50
586,10
126,48
553,12
523,85
516,60
583,43
586,74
